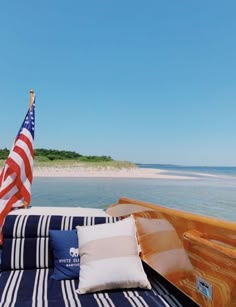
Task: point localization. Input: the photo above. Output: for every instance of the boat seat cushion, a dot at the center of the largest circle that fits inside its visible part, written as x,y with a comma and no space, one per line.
36,288
27,267
26,238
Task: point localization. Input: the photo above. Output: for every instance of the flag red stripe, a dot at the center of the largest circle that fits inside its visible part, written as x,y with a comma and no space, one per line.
7,189
5,173
23,155
28,142
17,169
7,208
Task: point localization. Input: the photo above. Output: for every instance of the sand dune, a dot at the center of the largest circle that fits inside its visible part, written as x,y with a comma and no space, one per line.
77,171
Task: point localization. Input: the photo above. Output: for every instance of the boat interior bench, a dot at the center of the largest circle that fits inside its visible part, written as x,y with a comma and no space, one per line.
27,265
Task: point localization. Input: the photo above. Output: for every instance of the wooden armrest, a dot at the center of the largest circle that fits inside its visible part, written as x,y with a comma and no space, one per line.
221,247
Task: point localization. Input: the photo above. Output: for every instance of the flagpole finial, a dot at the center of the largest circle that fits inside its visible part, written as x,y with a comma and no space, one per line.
31,98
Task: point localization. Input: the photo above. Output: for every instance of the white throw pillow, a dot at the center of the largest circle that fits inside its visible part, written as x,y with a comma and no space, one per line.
109,257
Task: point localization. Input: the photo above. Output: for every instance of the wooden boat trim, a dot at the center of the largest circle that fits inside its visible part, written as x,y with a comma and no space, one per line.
194,252
187,215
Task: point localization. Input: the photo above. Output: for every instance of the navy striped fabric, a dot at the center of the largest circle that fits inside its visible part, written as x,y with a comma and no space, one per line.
27,266
27,288
26,238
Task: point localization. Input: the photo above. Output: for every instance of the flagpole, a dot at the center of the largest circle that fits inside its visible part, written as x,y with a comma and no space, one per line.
31,92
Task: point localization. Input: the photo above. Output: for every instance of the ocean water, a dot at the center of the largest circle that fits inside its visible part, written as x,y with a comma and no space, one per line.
210,191
219,171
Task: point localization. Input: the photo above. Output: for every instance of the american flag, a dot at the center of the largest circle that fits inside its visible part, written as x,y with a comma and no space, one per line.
16,177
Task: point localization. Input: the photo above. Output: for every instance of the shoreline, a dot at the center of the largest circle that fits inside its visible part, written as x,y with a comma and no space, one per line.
86,172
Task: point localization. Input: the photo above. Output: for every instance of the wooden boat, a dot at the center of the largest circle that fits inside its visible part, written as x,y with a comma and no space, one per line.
194,252
187,255
192,256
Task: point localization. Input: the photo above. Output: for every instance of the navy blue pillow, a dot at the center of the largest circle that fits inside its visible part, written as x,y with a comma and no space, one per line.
64,244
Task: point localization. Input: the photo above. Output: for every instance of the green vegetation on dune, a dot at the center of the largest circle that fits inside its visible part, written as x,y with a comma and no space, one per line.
86,164
63,158
41,154
45,155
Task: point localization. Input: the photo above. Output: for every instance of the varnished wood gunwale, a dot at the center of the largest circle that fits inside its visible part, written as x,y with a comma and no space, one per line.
188,215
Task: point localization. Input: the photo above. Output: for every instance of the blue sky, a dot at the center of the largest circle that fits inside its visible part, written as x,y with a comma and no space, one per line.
144,81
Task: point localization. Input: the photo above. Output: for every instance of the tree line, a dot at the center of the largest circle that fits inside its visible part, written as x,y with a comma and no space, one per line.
42,154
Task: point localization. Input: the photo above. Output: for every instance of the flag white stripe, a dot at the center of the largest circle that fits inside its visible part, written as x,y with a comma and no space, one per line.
10,193
18,203
27,134
3,173
4,200
7,181
26,149
20,162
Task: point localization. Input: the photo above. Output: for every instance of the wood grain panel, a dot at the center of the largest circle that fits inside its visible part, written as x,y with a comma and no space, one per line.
183,247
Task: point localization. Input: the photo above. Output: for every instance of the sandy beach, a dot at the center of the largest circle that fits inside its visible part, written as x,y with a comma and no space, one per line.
84,172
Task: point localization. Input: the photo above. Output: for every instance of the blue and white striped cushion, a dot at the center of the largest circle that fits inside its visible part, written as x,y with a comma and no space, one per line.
26,238
35,288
